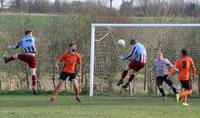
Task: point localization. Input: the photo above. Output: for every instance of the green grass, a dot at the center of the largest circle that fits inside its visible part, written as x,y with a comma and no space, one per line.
15,106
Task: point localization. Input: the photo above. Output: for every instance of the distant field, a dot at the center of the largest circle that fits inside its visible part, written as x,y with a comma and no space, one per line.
28,106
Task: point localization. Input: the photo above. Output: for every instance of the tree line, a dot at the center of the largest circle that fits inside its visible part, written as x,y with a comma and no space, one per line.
142,8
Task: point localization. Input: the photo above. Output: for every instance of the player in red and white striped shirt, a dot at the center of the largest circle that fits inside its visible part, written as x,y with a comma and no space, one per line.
137,58
28,55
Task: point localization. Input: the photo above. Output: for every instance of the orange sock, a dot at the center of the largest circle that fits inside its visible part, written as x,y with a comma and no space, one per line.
185,92
184,95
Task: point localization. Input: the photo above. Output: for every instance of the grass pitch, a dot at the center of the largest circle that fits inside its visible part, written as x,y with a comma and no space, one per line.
28,106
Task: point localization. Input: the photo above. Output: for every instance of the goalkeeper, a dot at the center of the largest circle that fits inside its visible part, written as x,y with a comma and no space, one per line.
162,66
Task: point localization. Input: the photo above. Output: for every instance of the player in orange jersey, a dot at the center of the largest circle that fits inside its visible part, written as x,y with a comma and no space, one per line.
71,58
184,64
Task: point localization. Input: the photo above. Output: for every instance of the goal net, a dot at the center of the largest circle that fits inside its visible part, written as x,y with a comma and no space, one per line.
106,68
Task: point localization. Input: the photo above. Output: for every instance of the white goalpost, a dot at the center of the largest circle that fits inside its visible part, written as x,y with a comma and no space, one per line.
167,37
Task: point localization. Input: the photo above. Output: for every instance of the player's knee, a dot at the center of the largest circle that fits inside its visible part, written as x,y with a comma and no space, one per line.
171,86
160,87
126,68
15,56
33,71
133,73
59,84
74,81
57,88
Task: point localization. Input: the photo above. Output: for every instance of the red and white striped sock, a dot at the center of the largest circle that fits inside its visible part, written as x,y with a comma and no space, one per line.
34,81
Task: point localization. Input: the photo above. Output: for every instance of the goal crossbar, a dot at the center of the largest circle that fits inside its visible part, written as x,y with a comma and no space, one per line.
145,25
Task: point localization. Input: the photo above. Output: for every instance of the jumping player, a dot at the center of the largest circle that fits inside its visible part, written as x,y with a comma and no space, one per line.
184,64
137,59
28,55
162,66
71,58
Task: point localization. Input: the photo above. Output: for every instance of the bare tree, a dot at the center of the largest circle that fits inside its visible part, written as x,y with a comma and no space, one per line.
126,8
2,5
145,7
57,6
41,6
111,3
18,4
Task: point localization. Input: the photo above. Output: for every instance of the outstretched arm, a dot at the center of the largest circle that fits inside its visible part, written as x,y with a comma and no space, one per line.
153,67
170,66
79,70
172,70
58,60
194,70
130,53
79,60
15,46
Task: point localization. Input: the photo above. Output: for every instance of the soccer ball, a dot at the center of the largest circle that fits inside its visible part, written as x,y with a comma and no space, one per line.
121,43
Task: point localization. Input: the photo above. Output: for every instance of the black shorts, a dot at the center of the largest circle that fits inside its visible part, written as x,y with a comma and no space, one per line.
186,84
64,75
160,79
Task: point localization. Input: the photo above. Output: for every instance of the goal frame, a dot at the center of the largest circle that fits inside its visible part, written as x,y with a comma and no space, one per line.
92,46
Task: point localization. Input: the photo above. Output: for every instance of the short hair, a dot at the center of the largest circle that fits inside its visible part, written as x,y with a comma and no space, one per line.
184,52
71,44
133,41
27,32
159,52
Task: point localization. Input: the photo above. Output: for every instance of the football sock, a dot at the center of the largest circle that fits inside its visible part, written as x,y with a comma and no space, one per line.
34,79
174,90
162,91
8,59
125,72
131,78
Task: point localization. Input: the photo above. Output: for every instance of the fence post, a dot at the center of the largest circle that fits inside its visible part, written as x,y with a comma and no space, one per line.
0,84
199,84
145,79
